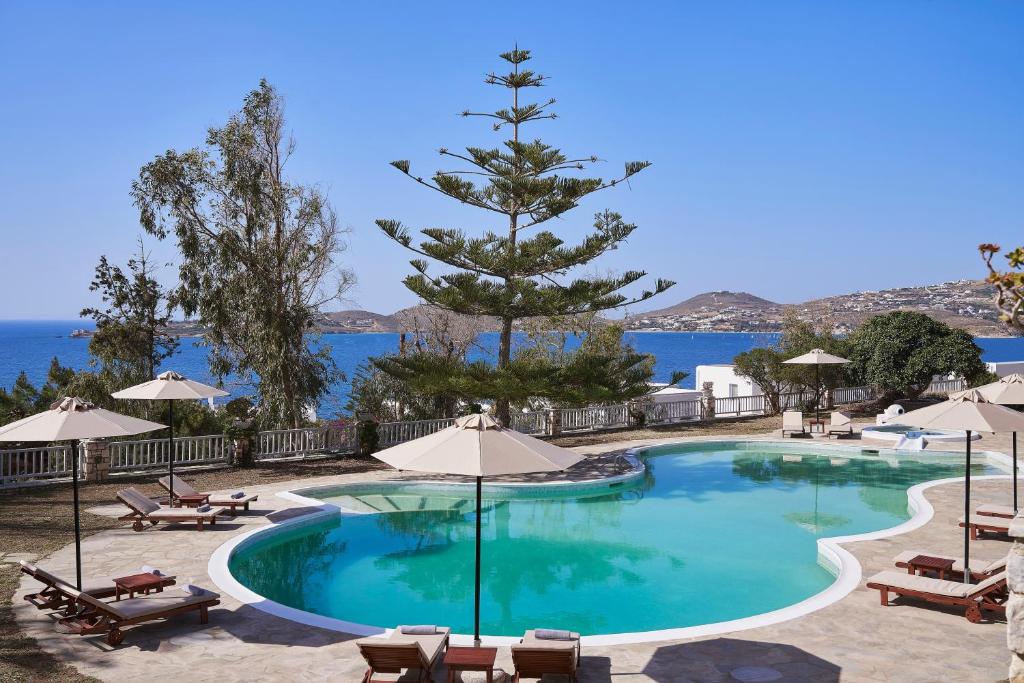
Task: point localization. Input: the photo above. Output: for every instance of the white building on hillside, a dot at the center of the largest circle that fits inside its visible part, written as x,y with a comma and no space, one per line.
1004,368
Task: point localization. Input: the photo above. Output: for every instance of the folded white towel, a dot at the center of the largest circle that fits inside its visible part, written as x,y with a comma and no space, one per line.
146,569
204,508
238,494
552,634
193,589
421,630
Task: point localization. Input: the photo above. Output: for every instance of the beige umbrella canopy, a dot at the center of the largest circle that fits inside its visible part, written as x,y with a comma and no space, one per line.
969,410
972,412
478,446
1007,391
817,358
170,386
73,419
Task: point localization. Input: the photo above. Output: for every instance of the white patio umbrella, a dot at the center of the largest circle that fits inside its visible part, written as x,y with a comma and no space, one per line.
1007,391
969,411
70,419
478,446
817,358
170,386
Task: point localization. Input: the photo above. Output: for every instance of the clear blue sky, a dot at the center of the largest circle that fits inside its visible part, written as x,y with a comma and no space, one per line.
800,149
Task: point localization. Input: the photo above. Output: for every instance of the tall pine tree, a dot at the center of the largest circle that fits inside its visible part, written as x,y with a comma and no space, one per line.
508,272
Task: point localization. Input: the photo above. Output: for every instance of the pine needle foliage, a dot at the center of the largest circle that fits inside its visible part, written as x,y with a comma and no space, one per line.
519,269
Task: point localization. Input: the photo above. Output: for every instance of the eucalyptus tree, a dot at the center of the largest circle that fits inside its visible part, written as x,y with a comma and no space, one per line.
258,254
505,272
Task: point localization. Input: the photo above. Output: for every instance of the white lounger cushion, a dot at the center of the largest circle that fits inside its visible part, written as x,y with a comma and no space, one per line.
979,565
155,603
530,640
172,514
430,645
996,510
839,419
182,488
989,521
923,584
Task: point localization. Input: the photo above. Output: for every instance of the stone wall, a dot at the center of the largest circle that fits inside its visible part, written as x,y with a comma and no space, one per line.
1015,606
94,456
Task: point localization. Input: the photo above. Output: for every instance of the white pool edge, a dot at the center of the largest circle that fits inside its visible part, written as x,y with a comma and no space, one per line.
831,555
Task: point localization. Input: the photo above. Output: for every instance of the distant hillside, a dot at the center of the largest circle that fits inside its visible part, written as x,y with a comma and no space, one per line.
357,321
967,304
717,301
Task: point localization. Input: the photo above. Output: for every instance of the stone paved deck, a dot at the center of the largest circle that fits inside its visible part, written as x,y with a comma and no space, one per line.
852,640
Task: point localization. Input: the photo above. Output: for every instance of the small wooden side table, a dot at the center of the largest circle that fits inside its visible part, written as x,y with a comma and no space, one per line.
921,563
820,424
470,659
192,501
143,583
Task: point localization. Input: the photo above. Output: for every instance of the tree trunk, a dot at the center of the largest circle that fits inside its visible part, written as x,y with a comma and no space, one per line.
502,409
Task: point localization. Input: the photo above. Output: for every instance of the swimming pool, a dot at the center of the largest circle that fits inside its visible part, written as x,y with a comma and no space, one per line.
710,532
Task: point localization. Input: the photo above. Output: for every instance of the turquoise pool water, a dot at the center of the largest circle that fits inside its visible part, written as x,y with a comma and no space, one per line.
711,532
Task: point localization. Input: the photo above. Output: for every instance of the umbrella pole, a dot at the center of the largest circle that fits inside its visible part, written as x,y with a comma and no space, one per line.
967,513
817,391
170,448
476,595
78,524
1015,473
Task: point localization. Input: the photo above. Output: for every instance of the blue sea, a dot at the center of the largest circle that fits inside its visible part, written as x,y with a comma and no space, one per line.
30,345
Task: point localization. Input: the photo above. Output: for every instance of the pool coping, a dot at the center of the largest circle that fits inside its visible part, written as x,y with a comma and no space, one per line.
831,554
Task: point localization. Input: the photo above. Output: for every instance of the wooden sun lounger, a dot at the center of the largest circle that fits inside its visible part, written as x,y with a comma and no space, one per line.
54,595
537,657
793,422
400,651
840,424
979,524
990,510
111,617
145,510
981,570
195,498
991,594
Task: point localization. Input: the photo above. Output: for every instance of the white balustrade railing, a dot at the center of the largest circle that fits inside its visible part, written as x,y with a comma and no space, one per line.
531,422
852,394
20,465
945,387
150,453
740,405
27,464
795,399
286,443
594,417
673,411
391,433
